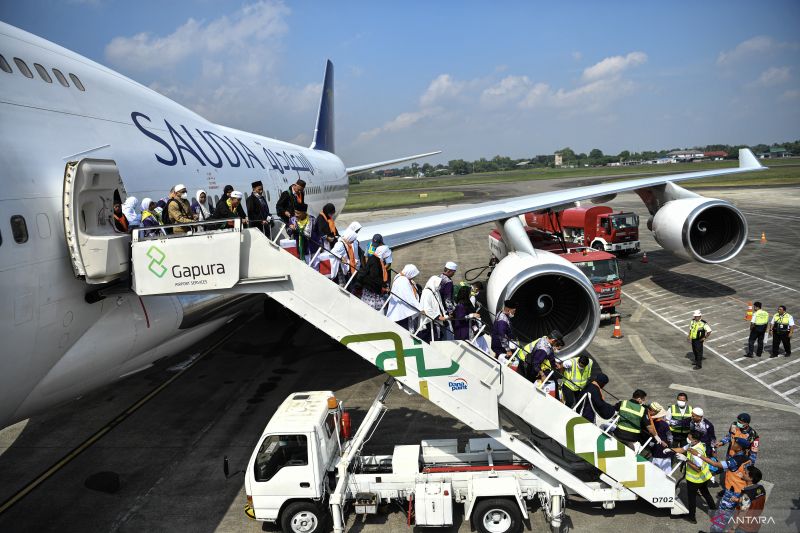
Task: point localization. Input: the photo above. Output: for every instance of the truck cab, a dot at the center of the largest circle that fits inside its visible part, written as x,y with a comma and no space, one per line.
290,464
603,271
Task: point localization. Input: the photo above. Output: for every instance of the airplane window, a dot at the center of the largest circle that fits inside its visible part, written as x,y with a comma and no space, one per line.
4,65
61,79
23,68
76,81
43,73
19,229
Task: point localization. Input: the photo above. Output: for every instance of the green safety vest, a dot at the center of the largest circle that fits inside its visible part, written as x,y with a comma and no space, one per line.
577,378
523,352
761,317
697,329
676,415
781,324
630,416
697,476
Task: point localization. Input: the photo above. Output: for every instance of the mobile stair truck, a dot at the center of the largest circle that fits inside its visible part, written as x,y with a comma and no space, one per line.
303,468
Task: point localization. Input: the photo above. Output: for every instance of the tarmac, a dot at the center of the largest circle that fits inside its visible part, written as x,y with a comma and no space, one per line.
156,465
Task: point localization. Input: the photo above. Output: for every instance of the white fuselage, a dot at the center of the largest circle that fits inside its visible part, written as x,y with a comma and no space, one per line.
56,346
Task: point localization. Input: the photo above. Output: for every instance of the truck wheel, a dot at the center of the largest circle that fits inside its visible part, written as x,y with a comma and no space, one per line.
301,517
497,515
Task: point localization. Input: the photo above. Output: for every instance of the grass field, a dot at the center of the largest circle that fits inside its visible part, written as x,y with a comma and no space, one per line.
389,192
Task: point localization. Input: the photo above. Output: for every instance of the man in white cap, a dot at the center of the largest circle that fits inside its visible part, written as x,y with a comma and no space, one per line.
446,293
179,209
699,332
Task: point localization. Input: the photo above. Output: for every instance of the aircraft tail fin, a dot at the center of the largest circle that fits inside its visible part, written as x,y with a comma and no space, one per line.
747,159
323,133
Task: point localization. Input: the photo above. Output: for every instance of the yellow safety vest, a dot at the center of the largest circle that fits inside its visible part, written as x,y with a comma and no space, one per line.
523,352
693,474
695,328
630,416
781,323
761,318
676,415
577,378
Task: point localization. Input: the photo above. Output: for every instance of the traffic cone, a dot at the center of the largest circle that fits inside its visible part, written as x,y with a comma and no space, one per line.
763,238
644,257
617,331
749,314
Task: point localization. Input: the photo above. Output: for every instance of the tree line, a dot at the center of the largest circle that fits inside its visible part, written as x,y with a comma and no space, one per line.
595,157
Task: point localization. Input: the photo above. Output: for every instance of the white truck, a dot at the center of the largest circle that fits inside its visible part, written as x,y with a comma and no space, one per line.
304,469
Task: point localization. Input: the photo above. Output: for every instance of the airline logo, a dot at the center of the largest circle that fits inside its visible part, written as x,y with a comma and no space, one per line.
457,384
156,262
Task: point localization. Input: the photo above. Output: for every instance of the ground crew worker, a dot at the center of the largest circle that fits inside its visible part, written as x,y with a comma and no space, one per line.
699,332
758,327
751,504
703,425
781,329
596,404
735,467
741,429
680,410
697,474
633,424
576,376
535,353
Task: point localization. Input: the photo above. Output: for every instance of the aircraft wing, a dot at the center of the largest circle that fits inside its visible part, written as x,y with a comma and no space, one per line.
406,230
370,166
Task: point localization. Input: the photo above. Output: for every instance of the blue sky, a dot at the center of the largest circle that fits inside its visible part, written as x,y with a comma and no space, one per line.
474,79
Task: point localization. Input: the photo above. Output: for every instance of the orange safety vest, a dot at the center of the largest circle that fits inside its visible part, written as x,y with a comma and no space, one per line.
737,433
122,220
734,480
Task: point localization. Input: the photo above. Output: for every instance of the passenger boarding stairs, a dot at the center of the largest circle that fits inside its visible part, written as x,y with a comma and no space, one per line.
455,375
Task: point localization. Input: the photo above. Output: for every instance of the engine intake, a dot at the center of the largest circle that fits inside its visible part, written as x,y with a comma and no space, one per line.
700,229
551,293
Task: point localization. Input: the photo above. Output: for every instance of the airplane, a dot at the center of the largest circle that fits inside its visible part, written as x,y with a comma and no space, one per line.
75,136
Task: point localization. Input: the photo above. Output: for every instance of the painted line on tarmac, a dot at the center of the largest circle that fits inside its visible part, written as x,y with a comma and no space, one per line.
75,452
637,314
770,216
764,360
647,357
736,398
771,370
760,279
718,354
784,380
792,391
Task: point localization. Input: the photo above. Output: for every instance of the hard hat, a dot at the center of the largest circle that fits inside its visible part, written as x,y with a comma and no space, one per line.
697,313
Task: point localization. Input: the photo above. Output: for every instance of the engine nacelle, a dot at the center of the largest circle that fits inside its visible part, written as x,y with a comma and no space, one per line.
551,293
700,229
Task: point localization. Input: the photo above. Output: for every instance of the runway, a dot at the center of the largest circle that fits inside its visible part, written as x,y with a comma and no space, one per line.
168,453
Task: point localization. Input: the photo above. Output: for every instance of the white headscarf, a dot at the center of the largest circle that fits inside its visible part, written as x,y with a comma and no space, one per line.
146,204
431,301
205,211
383,252
129,210
403,300
348,235
410,271
354,226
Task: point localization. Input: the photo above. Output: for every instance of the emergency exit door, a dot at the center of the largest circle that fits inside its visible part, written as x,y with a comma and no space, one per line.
98,253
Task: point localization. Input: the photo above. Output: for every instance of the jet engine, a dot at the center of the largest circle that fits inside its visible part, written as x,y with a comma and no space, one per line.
700,229
551,293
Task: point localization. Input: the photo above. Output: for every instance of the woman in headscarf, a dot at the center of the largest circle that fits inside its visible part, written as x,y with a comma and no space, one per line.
201,206
129,210
404,306
374,278
463,314
432,310
345,260
149,218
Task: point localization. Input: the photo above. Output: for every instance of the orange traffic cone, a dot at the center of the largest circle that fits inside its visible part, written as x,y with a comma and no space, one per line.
644,257
763,238
749,314
617,330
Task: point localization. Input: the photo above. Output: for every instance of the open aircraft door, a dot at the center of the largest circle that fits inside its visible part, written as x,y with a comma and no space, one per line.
99,254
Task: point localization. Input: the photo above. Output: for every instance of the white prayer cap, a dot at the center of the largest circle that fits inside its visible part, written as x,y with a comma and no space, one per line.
179,187
237,194
451,266
697,313
697,411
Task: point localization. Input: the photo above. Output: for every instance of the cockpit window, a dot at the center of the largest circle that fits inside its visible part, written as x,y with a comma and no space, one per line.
23,68
77,82
43,73
19,229
4,65
60,77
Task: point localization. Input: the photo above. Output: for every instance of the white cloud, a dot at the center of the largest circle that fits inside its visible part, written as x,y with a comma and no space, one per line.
614,65
791,95
252,24
508,89
772,76
538,95
442,87
754,46
400,122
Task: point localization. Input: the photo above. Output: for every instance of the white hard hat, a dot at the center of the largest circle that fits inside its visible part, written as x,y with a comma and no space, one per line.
237,194
697,411
697,313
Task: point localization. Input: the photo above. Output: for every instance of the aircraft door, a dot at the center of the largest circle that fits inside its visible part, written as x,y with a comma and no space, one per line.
99,253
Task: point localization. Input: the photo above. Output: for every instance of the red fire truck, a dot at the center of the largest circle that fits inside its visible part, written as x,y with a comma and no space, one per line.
600,267
596,226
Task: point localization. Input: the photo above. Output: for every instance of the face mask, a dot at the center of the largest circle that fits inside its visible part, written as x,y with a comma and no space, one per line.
739,425
185,195
681,404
